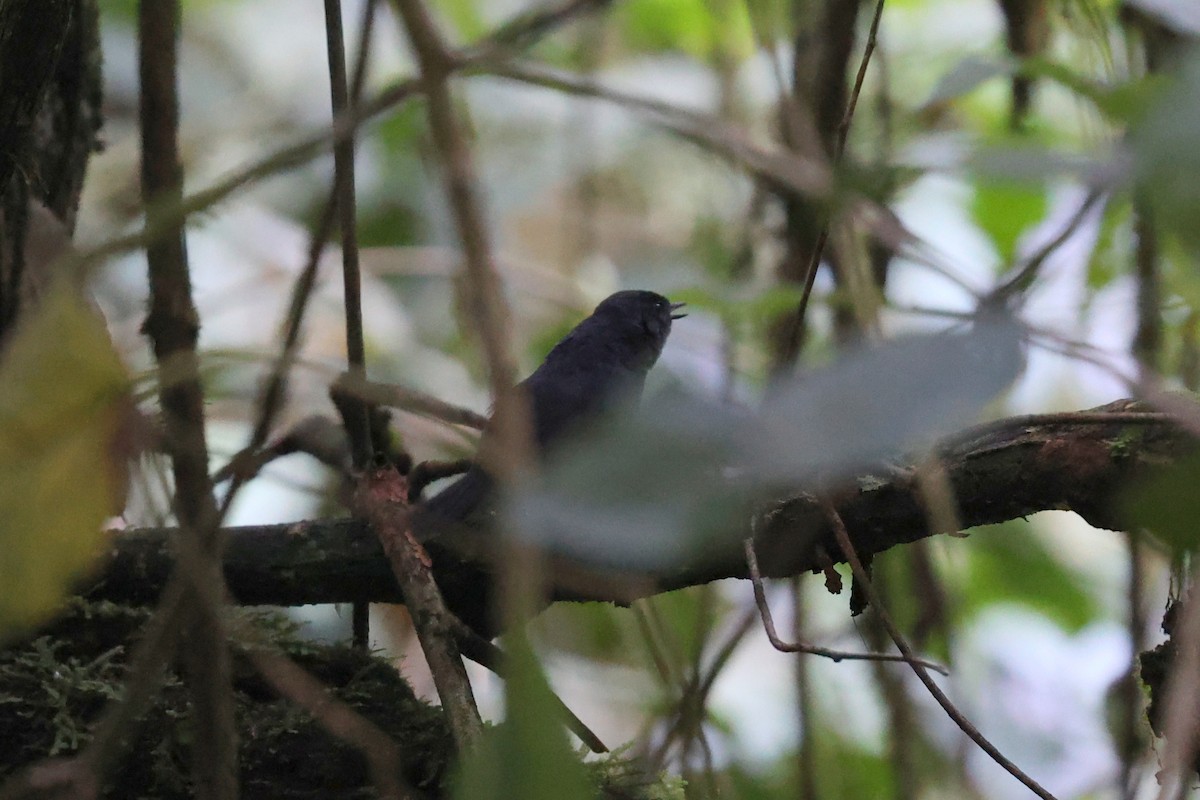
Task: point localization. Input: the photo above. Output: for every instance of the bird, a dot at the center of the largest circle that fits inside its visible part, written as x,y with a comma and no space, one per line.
602,360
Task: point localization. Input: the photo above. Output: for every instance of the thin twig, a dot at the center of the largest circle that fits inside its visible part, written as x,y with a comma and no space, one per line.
172,324
689,710
1147,342
764,610
359,425
693,698
1147,349
357,418
843,131
1128,740
1020,278
271,396
964,724
806,752
426,472
304,149
487,307
508,448
526,28
780,169
488,655
653,648
416,402
852,102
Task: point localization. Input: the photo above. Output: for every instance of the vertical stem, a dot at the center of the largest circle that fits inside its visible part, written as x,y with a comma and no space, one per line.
343,160
173,326
1147,348
274,389
485,297
358,422
806,752
508,447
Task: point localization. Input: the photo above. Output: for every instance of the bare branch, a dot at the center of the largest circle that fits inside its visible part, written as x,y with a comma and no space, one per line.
764,610
964,724
173,326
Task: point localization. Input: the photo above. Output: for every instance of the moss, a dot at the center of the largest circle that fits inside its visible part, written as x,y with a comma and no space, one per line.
617,776
54,686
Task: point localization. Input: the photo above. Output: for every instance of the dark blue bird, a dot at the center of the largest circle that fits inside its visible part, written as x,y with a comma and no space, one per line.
603,359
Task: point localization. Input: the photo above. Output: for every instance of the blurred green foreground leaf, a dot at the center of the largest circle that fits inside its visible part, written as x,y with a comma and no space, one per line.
62,403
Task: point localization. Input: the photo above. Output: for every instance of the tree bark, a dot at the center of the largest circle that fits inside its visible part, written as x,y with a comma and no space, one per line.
50,119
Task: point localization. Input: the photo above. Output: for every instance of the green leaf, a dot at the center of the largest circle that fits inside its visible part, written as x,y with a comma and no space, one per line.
1009,563
528,755
1166,144
738,304
62,402
1168,505
696,27
1114,243
1005,210
464,17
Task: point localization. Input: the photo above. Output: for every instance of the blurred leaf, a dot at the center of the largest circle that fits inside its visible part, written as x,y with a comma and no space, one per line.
1178,268
126,10
596,631
465,18
1169,505
1166,143
771,19
966,76
710,247
1009,563
1040,164
635,490
696,27
62,404
1114,243
527,755
389,223
1119,102
688,616
845,770
741,304
646,490
1183,18
1005,210
403,130
882,402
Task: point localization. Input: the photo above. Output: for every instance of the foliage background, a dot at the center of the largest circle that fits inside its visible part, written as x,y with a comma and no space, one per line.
585,198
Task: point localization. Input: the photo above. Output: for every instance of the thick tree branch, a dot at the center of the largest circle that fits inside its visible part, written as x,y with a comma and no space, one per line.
999,472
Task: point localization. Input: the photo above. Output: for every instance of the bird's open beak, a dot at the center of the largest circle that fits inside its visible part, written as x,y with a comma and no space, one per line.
675,307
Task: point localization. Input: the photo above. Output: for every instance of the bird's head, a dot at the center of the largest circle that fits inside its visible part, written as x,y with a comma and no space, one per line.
627,330
644,317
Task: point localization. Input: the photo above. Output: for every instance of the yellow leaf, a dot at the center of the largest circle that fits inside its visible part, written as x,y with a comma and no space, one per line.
63,400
